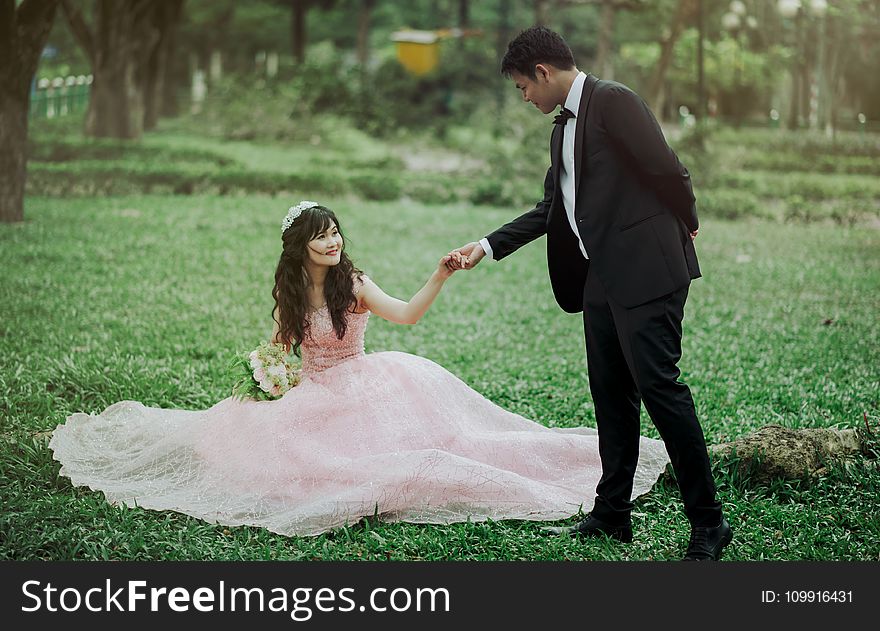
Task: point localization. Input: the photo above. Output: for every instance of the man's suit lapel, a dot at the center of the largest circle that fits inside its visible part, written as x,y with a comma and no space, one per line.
580,129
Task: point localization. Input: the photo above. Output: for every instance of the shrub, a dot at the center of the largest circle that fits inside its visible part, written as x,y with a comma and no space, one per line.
69,149
842,212
790,161
494,192
803,143
122,178
433,190
378,186
729,204
797,209
809,185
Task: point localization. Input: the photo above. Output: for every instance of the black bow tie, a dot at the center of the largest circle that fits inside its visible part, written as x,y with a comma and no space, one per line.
563,117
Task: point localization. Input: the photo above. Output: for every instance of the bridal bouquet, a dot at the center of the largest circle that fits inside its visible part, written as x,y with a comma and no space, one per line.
263,374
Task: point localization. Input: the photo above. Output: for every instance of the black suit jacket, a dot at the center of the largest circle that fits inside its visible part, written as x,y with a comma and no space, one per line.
634,206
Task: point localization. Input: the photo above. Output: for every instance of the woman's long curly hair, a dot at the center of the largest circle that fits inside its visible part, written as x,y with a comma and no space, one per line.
292,279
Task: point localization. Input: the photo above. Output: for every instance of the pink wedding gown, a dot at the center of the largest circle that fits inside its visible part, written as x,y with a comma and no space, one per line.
384,433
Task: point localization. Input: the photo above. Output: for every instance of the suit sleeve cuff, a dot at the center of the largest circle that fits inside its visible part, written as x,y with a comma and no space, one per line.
484,243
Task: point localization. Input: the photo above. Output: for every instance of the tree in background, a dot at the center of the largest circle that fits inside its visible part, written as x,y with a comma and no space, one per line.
852,50
603,63
542,12
23,33
299,10
160,94
685,10
363,37
651,46
127,69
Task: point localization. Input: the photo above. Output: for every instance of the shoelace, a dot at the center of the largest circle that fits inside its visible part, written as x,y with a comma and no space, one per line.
699,537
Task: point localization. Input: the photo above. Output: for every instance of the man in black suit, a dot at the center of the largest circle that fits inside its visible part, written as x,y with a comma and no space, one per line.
619,215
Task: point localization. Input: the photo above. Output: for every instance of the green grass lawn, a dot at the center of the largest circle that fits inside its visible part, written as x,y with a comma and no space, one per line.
147,297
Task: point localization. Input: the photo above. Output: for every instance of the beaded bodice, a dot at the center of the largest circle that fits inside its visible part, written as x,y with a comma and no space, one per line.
321,349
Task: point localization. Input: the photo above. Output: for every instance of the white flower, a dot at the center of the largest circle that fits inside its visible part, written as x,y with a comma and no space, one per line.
295,211
278,370
266,385
294,378
255,361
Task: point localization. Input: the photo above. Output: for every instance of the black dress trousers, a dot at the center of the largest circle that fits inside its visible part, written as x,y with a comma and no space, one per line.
632,356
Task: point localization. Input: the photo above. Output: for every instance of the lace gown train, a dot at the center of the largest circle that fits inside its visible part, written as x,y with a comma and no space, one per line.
384,433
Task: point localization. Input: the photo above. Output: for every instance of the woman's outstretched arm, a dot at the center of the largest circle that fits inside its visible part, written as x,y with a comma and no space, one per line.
373,298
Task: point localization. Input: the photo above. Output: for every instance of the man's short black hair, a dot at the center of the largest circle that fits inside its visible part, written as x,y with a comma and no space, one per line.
536,45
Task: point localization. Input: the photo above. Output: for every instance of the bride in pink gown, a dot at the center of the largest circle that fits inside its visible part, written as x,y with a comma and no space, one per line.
386,433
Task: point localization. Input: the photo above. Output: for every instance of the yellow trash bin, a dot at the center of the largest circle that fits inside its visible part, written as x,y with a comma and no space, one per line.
417,51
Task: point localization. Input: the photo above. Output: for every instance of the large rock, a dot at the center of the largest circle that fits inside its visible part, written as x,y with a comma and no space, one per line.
779,452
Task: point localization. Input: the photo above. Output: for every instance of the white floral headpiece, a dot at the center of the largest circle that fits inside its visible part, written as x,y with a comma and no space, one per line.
295,211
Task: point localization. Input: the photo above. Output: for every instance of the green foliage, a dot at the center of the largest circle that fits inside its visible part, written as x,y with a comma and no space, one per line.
432,190
376,186
471,164
400,100
729,204
792,176
810,146
491,192
774,161
812,186
325,83
88,178
68,149
848,212
244,107
381,99
243,377
74,166
733,72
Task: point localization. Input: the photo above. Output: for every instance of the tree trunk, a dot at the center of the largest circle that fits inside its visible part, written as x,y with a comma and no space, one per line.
795,110
169,106
841,49
806,88
794,105
363,35
604,67
118,48
23,33
542,8
13,158
154,86
158,72
464,19
656,95
298,29
116,105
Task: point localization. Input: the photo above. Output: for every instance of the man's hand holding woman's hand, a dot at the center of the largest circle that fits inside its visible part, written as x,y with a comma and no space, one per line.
468,256
450,263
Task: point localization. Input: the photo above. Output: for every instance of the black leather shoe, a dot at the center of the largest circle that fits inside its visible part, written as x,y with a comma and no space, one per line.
594,527
707,543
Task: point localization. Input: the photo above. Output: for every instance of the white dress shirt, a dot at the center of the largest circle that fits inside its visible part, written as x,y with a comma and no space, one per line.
566,170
